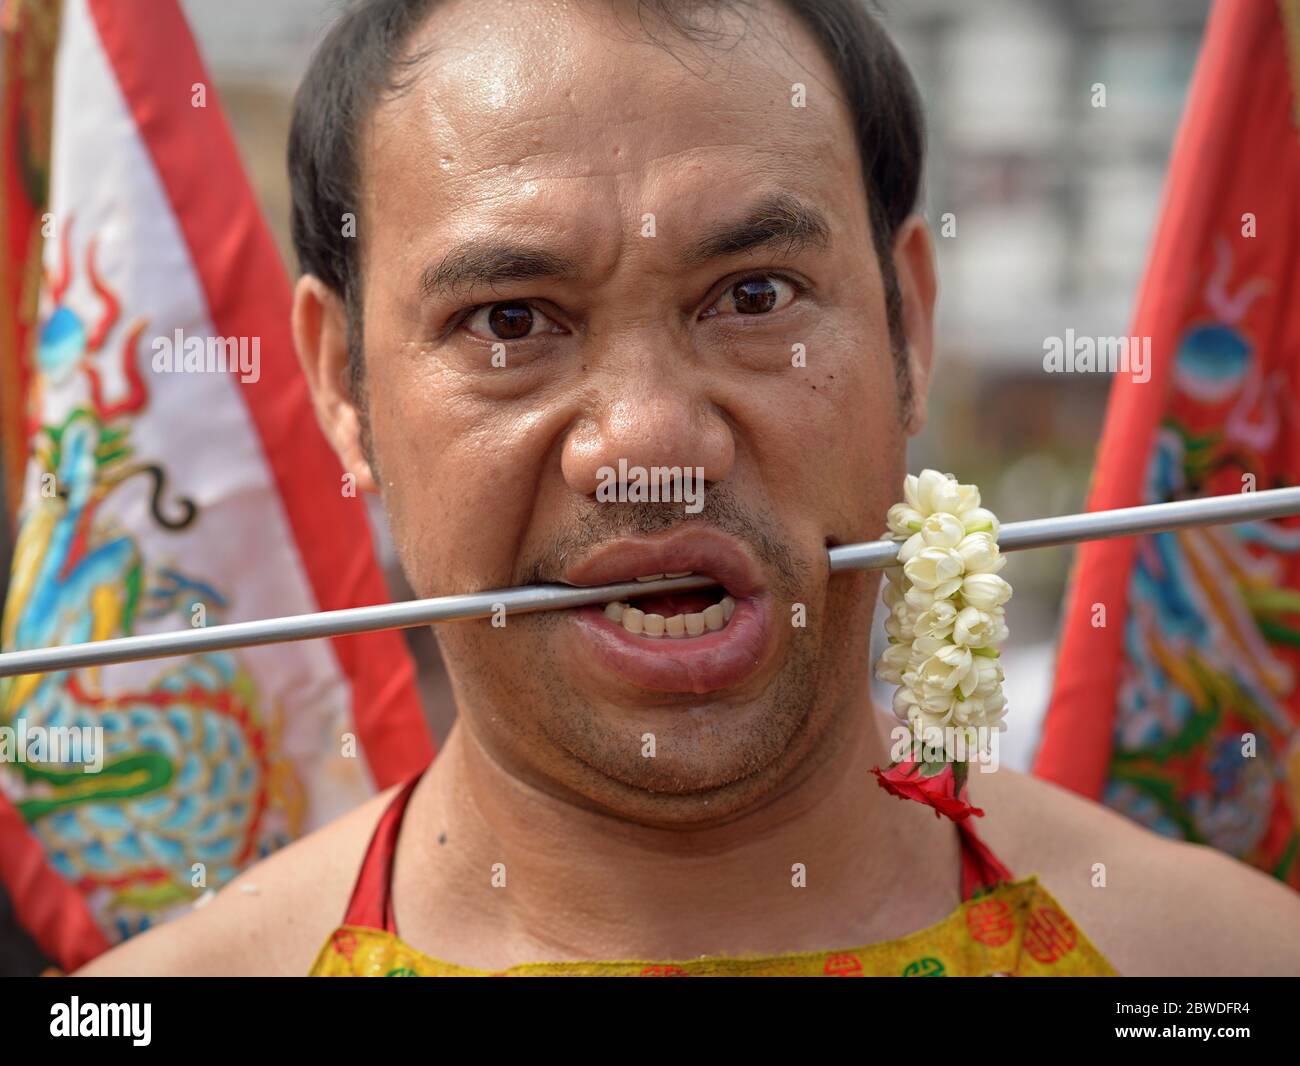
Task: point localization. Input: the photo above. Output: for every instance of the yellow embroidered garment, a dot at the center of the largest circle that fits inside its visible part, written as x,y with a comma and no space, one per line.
1013,930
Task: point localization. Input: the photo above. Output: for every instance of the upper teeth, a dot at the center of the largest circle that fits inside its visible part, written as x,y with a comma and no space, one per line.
711,618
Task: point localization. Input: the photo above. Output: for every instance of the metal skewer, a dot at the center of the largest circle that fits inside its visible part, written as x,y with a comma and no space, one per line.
871,555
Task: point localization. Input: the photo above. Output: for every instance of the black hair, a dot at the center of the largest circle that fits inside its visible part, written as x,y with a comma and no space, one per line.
366,54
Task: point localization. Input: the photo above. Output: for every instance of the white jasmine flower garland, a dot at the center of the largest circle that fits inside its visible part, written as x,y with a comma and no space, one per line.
946,616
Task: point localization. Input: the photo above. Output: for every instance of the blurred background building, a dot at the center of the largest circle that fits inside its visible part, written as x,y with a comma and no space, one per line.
1055,202
1053,198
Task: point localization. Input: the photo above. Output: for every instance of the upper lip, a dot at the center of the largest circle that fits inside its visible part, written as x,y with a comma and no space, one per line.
695,550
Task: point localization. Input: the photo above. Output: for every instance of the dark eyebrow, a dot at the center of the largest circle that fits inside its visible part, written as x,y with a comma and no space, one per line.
490,263
779,219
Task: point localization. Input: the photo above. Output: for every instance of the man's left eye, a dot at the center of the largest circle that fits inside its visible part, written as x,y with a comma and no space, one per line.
754,296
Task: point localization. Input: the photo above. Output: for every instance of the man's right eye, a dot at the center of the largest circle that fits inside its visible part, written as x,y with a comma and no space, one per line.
509,322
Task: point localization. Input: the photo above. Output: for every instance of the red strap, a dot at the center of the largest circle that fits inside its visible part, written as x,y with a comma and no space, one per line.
980,868
371,906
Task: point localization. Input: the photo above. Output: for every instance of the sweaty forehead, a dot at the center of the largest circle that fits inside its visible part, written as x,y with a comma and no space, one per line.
507,104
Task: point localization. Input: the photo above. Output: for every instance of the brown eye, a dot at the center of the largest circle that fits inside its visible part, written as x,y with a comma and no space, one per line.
513,321
510,321
754,296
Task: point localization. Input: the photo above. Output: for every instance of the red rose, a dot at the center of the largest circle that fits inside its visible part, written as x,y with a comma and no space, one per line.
941,790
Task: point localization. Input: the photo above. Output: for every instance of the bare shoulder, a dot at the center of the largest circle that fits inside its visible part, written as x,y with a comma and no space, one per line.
270,921
1151,905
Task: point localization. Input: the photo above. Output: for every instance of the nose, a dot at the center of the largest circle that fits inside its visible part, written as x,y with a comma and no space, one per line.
656,415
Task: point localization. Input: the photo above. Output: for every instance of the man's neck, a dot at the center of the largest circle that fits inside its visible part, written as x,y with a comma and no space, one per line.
492,872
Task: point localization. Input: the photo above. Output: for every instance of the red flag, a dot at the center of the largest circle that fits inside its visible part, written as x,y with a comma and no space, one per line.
1176,697
28,33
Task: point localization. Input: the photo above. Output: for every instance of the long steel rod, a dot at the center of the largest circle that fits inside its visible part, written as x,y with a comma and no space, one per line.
1015,536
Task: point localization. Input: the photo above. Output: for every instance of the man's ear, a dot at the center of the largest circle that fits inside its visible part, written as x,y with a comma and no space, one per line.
320,335
918,286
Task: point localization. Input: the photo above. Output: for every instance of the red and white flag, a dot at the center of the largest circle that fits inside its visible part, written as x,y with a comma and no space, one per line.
177,478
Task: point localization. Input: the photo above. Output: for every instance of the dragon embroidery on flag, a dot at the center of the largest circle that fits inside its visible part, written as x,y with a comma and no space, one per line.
192,786
1206,747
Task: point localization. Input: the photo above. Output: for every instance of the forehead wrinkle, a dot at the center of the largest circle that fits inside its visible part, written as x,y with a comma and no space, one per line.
530,141
532,122
516,140
502,181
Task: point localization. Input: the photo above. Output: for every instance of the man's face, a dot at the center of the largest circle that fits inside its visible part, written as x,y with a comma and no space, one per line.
564,268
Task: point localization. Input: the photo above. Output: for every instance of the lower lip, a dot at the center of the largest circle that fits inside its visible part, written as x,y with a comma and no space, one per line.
700,664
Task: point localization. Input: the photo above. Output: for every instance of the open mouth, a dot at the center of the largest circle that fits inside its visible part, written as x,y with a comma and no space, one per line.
690,640
675,615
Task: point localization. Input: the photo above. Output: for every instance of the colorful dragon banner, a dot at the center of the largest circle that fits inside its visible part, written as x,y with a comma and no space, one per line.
1177,699
176,478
